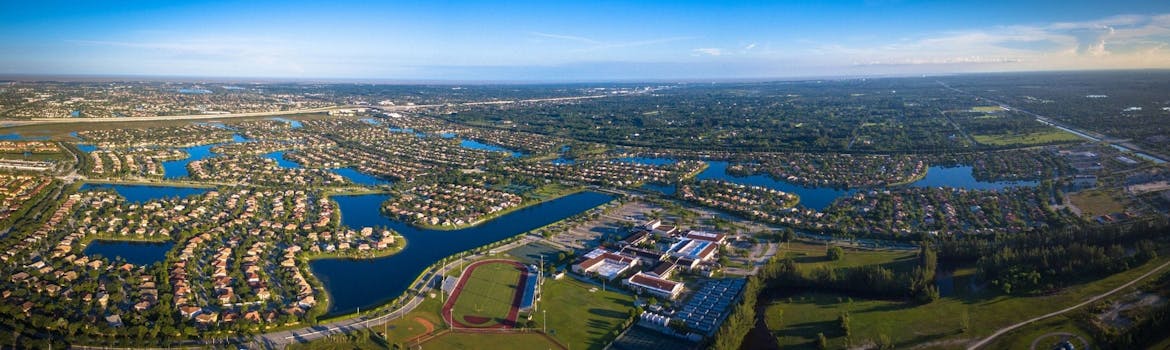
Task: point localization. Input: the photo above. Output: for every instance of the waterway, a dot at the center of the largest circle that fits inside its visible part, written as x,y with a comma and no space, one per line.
144,193
366,283
137,253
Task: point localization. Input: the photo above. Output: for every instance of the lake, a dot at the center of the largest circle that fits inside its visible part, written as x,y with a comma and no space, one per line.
366,283
295,124
819,198
360,178
473,144
278,156
354,176
816,198
175,169
144,193
962,177
137,253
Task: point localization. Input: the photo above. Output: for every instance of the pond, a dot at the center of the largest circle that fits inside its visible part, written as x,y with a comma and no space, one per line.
473,144
366,283
144,193
137,253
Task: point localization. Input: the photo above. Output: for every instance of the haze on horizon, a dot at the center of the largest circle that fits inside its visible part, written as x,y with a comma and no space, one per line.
588,41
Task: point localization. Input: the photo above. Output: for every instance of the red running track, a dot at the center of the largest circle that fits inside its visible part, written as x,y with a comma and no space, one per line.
513,312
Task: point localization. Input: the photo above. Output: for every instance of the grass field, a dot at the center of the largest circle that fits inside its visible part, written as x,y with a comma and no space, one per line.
1095,203
812,255
987,109
578,317
409,326
806,313
1037,138
487,297
455,340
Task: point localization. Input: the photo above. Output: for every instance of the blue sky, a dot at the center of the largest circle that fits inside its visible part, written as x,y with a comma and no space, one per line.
593,40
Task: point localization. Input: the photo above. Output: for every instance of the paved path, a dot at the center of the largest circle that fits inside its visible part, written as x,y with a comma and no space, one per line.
1004,330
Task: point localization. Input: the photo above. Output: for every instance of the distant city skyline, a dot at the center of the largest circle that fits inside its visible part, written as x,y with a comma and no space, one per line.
588,41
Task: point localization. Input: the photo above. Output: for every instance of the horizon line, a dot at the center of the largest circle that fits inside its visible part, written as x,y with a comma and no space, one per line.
117,77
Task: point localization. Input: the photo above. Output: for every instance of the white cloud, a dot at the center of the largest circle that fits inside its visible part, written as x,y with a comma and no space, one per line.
707,51
1130,41
749,47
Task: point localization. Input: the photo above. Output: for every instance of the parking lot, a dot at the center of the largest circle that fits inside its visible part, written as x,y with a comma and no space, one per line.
589,234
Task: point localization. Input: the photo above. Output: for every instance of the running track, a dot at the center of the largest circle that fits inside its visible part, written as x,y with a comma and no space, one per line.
513,312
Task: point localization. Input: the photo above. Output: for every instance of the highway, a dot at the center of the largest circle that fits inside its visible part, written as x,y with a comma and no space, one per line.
1119,144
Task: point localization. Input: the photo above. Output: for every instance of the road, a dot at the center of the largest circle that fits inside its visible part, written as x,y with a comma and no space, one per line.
1094,299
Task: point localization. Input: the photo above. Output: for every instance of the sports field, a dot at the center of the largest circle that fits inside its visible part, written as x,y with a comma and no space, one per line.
487,295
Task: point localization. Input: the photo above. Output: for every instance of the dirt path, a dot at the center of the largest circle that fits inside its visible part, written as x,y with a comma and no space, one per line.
1004,330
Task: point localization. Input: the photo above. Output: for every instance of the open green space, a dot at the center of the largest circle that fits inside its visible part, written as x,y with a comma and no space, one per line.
1095,203
487,297
795,318
581,315
1036,138
492,341
816,254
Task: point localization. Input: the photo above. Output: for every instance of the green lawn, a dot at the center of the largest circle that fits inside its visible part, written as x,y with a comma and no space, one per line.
415,323
455,340
812,254
1094,203
804,314
487,297
1022,338
580,318
1036,138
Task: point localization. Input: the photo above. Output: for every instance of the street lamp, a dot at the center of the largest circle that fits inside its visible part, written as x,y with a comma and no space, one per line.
544,325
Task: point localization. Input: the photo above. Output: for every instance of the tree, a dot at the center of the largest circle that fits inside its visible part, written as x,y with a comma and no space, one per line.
843,322
822,342
836,253
678,326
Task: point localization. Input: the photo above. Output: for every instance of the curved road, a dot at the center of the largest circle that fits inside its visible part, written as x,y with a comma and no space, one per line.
1004,330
